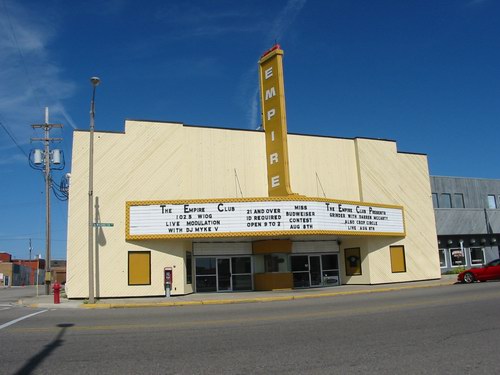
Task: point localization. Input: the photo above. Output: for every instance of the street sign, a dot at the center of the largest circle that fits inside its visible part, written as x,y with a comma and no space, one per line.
100,225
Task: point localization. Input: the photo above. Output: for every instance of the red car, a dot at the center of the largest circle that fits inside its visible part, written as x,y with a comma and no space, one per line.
490,271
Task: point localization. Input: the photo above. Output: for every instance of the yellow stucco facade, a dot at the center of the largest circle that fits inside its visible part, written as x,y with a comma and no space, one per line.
158,161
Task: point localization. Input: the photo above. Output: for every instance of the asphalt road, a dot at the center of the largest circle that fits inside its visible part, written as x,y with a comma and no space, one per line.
441,330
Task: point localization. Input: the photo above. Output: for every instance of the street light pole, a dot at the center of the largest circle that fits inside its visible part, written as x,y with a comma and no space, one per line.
37,272
95,82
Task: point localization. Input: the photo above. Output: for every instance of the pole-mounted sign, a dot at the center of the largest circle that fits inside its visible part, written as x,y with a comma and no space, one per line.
272,93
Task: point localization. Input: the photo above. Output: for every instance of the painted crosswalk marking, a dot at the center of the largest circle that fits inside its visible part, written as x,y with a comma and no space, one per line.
5,325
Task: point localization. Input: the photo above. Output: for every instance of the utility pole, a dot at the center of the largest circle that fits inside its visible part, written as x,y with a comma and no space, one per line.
30,263
95,82
48,184
37,271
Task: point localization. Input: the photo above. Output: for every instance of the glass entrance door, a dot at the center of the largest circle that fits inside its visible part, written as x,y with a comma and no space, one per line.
224,274
315,270
300,271
241,269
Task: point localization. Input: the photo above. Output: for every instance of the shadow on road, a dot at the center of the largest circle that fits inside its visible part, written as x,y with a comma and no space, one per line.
36,360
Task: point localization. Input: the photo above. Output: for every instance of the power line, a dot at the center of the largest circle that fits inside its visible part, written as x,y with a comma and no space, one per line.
11,136
28,237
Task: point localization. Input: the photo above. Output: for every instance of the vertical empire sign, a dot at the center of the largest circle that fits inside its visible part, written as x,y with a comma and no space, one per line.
272,94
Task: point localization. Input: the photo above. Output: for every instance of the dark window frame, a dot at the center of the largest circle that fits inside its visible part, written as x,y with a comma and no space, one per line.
272,262
189,267
451,250
356,253
206,276
444,257
448,200
494,201
477,248
461,200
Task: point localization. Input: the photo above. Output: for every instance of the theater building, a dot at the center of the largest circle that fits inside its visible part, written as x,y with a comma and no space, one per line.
208,209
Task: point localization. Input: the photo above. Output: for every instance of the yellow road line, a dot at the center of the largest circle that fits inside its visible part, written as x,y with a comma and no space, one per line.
372,309
257,299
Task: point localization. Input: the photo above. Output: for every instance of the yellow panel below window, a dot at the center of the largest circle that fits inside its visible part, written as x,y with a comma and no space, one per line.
139,268
272,246
398,263
272,281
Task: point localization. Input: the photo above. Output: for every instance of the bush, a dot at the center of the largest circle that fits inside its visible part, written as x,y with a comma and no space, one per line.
454,271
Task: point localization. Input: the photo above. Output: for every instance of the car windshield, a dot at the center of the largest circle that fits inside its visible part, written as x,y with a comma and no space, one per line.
495,262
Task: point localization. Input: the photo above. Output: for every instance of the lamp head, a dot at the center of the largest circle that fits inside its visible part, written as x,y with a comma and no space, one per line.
95,81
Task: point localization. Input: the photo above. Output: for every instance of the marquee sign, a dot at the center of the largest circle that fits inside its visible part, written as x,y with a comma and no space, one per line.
272,94
260,217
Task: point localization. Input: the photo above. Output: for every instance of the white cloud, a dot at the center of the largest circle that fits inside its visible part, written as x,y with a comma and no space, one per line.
249,96
190,20
30,78
280,24
286,18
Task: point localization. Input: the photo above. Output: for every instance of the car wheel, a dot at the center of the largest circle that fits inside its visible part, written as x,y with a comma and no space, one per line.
469,278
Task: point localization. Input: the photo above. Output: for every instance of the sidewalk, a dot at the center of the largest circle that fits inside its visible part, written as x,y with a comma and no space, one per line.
47,301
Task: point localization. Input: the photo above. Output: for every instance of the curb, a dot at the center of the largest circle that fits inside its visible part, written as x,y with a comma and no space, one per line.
256,299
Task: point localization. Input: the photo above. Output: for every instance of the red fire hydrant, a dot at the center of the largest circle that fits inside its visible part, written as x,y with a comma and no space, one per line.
57,292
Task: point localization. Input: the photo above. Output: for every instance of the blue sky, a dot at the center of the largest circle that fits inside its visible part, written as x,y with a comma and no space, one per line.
425,73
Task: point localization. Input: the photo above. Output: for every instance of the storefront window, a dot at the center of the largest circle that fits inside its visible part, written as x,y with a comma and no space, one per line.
300,263
315,270
222,274
241,265
330,265
206,275
330,262
300,269
275,263
242,282
206,284
205,266
442,258
189,268
476,255
241,268
457,258
353,261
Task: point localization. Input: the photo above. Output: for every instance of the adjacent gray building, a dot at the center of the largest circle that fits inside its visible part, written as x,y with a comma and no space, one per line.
467,219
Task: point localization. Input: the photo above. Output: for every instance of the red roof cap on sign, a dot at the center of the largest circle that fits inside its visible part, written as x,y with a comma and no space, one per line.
276,46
